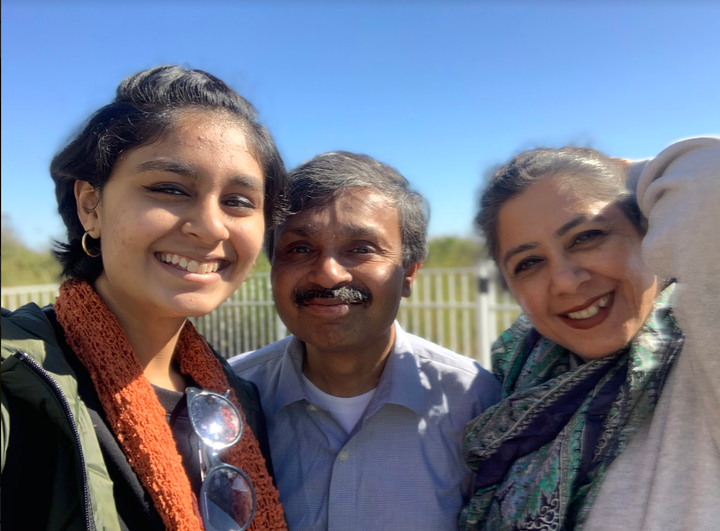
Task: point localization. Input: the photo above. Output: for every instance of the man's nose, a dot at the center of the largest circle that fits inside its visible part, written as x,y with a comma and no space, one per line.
328,272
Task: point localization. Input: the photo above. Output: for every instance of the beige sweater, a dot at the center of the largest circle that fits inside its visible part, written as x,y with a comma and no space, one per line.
668,478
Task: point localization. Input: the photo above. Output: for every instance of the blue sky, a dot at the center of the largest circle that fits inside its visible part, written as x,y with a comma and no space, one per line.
441,91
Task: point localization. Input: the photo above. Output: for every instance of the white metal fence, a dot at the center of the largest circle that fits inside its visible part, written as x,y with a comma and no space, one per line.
462,309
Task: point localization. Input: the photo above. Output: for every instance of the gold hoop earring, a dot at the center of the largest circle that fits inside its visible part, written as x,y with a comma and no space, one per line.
84,245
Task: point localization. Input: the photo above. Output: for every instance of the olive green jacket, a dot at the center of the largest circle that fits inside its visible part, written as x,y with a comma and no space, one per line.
35,371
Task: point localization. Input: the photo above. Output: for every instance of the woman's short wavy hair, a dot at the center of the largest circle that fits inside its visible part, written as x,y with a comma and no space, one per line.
584,170
146,105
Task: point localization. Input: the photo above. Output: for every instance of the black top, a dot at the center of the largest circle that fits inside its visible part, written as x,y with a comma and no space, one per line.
176,413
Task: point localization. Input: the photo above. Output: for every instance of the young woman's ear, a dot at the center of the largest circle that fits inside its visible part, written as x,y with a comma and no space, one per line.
87,198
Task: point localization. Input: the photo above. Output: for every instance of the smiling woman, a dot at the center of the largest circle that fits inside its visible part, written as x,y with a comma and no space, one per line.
196,194
165,195
584,365
574,265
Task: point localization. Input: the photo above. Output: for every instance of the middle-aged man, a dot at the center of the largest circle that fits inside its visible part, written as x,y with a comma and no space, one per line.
365,420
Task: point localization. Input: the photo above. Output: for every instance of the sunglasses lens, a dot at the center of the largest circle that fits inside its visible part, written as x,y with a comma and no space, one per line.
216,420
228,500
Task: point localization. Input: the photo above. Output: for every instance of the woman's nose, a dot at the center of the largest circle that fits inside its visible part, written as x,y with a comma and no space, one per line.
207,222
567,275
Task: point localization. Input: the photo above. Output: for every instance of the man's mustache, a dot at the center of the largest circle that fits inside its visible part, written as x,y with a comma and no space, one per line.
346,294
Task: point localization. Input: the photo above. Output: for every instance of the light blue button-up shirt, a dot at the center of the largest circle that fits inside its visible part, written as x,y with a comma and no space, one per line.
401,468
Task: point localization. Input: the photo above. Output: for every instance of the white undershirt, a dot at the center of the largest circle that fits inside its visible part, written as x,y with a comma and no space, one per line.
347,411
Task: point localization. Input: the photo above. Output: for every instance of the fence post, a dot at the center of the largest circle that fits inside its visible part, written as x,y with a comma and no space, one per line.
483,315
280,330
492,307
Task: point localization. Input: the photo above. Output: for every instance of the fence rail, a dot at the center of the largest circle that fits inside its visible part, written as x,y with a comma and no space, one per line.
462,309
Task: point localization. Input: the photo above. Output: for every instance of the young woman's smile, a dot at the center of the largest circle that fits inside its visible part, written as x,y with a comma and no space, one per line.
184,263
200,270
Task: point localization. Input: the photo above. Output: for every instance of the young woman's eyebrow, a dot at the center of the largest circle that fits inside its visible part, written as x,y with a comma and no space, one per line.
247,181
182,168
172,166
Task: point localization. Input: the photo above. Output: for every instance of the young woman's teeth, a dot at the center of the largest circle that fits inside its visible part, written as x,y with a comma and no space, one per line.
592,309
189,265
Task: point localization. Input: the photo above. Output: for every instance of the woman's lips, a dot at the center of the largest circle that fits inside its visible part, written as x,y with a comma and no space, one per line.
590,309
188,264
591,315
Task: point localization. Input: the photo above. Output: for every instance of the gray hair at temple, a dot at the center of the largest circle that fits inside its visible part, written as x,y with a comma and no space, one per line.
582,170
320,181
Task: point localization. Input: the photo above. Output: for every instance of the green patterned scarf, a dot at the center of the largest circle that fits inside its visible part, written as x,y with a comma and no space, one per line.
540,454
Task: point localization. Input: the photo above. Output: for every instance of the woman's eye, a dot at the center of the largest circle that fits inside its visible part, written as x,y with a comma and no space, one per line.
525,265
239,201
587,236
169,189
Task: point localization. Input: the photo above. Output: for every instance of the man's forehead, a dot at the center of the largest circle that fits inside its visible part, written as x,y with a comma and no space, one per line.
354,208
344,197
308,229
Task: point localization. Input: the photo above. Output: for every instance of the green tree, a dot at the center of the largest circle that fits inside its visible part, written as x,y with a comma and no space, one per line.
262,264
451,251
22,266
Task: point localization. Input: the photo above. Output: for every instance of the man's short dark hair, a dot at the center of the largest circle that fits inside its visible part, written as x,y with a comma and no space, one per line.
320,181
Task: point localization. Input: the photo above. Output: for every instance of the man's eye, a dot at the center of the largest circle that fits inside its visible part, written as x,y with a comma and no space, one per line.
299,249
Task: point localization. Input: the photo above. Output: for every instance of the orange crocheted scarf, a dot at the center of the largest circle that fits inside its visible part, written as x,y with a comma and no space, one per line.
137,418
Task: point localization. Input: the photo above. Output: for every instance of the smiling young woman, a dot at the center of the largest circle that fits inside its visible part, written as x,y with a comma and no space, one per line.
584,365
180,220
165,195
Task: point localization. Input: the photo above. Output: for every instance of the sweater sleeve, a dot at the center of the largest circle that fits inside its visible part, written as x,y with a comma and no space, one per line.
679,193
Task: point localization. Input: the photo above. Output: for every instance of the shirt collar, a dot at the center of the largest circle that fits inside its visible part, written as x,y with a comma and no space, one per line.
401,381
290,387
399,384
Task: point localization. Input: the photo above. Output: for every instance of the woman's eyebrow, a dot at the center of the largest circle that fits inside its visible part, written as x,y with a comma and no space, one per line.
183,168
247,181
519,249
582,218
172,166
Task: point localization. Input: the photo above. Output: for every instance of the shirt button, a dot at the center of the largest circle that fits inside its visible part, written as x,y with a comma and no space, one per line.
343,455
312,407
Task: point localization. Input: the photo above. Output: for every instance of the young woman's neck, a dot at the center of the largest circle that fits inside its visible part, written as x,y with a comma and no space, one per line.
152,339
